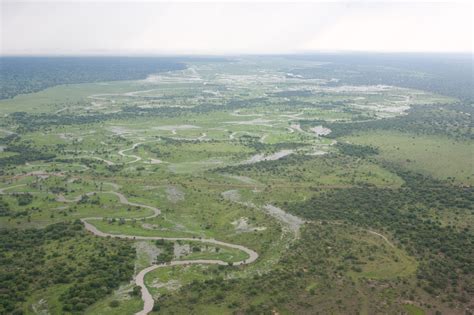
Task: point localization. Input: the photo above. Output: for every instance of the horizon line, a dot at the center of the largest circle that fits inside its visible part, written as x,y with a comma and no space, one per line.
229,54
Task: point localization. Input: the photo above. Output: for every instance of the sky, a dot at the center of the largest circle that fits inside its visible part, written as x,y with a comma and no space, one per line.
108,27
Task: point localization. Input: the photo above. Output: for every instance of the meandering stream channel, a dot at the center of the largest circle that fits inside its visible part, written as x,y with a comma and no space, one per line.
139,278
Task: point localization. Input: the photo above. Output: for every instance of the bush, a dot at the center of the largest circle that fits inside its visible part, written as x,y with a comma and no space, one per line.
156,307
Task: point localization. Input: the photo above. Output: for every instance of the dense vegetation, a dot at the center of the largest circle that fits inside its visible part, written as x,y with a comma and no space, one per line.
166,254
60,254
454,121
384,197
23,154
4,208
360,151
315,271
22,75
412,215
443,74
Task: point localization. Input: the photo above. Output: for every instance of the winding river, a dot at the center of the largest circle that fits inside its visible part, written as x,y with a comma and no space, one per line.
139,278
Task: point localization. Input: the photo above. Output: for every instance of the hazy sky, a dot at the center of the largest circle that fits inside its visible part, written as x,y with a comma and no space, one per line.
152,27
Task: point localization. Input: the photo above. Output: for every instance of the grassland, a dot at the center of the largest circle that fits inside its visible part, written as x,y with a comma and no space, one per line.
440,157
245,155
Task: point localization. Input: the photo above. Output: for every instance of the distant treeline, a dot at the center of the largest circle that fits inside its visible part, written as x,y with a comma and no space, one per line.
23,154
27,122
451,120
446,74
20,75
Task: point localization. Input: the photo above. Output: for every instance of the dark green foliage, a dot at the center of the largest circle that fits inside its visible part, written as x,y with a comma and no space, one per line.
322,255
4,208
21,75
24,199
356,150
26,265
258,146
167,251
24,154
292,93
447,120
9,138
271,166
136,291
323,270
31,122
446,253
444,74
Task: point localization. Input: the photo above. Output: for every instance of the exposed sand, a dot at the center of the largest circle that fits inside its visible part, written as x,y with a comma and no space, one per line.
317,152
381,236
272,157
297,127
181,250
243,226
171,285
243,179
289,221
232,195
320,130
41,307
292,222
238,114
202,137
175,127
253,122
174,194
118,130
147,249
155,161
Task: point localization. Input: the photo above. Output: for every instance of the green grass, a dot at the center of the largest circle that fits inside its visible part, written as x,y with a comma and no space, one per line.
177,276
127,304
216,252
46,299
311,272
136,229
414,310
387,262
304,171
437,156
207,251
50,211
335,284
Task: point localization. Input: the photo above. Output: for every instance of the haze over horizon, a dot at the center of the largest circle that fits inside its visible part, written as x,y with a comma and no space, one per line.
159,28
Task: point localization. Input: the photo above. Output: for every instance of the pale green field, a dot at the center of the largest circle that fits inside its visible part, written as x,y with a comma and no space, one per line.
439,157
